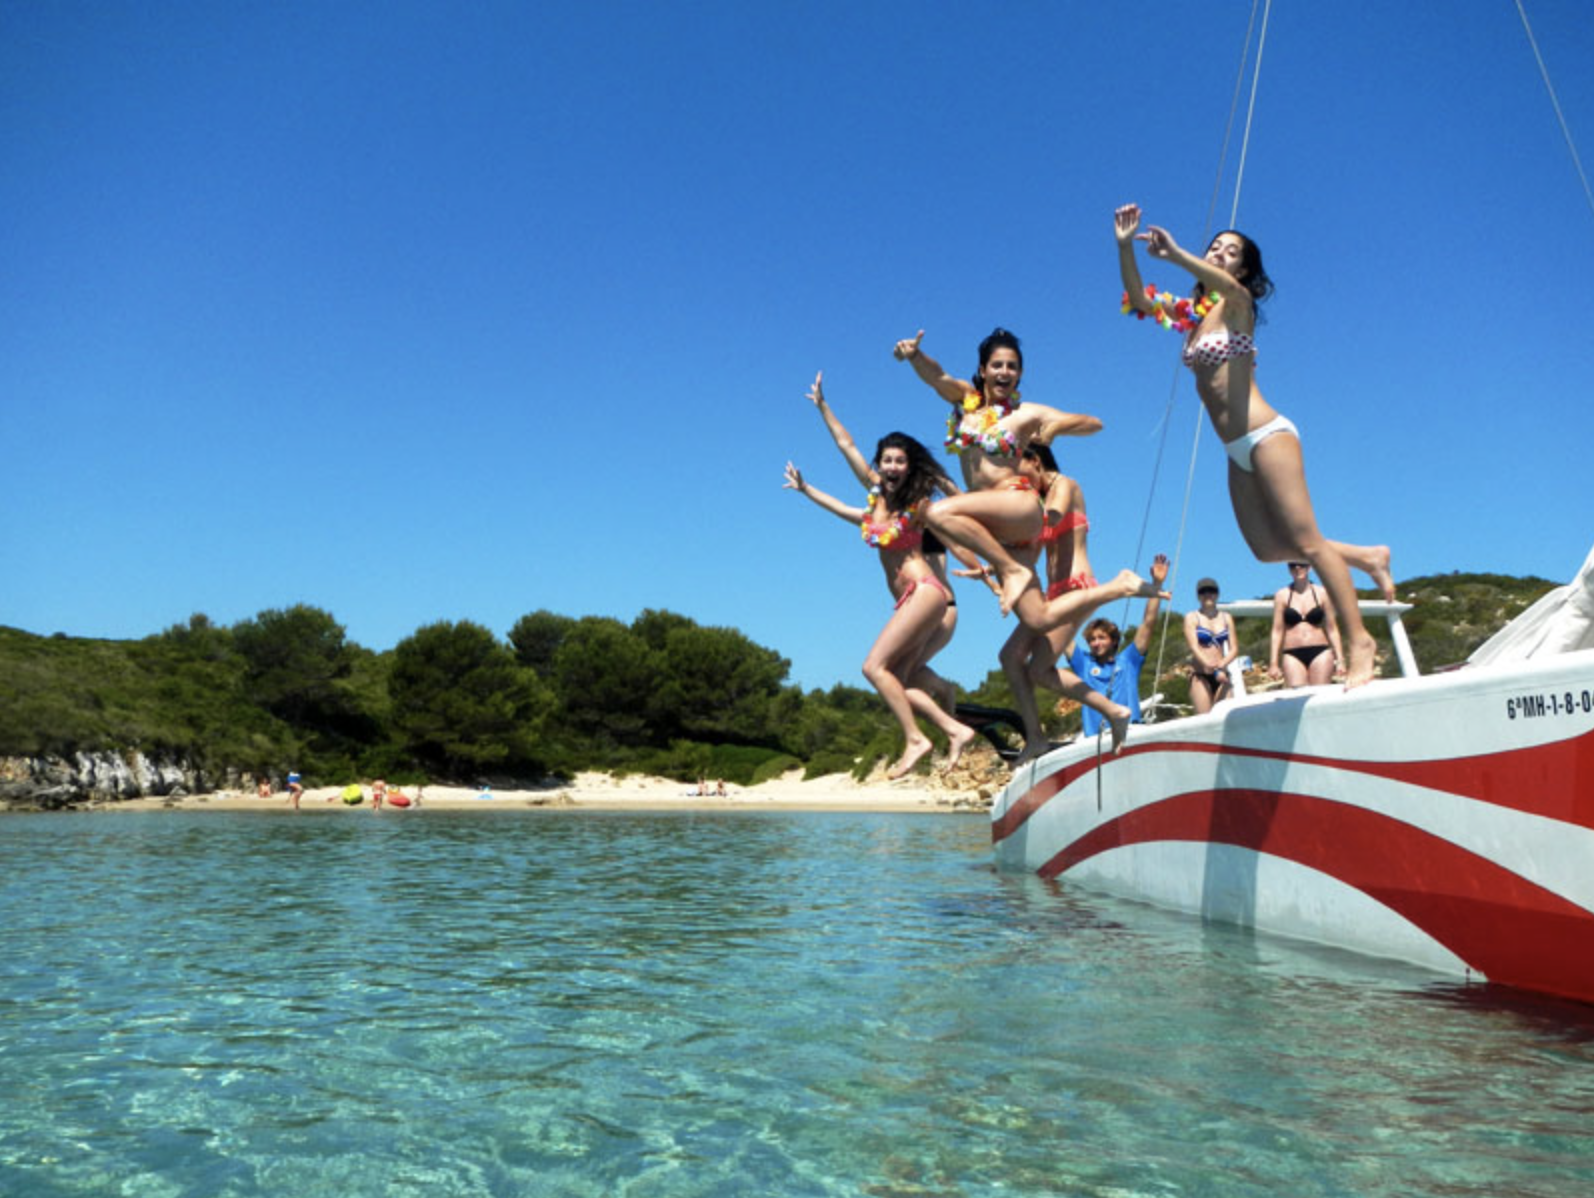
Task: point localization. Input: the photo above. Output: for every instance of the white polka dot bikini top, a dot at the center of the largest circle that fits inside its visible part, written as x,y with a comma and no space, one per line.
1214,349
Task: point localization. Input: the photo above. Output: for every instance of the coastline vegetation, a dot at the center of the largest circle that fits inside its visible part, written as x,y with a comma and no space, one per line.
662,695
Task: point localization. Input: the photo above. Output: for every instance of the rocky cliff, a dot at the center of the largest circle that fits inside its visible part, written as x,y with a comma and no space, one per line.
55,783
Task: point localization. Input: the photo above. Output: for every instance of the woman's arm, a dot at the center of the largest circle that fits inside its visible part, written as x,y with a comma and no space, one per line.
1198,652
1126,223
1234,643
929,370
839,434
1160,244
1276,639
796,482
1048,423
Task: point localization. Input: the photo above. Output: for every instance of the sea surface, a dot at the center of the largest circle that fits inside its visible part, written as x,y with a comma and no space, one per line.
661,1005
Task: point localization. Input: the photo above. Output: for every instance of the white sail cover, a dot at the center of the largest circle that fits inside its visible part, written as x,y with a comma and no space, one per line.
1560,622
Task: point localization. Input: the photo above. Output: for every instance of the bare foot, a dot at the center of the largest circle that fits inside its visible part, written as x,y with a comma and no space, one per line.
1014,583
1132,585
956,742
1362,665
1119,722
1382,578
916,749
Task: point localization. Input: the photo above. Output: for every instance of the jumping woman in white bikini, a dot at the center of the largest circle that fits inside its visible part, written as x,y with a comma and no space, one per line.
1267,480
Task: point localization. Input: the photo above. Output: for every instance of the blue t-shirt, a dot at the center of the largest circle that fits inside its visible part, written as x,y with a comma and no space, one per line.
1118,678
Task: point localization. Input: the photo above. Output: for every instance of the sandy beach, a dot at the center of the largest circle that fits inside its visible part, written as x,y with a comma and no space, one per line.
958,793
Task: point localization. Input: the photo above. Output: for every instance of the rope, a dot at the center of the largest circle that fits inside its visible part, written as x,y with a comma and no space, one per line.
1555,103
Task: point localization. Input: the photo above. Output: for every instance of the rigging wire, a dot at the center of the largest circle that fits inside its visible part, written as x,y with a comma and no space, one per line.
1555,103
1173,388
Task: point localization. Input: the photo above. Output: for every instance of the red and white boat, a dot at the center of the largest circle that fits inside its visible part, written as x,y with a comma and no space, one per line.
1445,820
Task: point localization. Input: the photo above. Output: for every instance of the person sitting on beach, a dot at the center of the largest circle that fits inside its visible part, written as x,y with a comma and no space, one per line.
719,789
1105,670
1267,478
1305,632
263,790
901,479
999,512
1213,644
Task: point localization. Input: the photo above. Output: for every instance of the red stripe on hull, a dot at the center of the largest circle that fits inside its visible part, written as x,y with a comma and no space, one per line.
1502,925
1554,780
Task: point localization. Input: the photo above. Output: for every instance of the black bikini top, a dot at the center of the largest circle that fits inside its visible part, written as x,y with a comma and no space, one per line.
1292,616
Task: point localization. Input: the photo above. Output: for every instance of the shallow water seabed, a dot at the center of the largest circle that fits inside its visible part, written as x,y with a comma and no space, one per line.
735,1003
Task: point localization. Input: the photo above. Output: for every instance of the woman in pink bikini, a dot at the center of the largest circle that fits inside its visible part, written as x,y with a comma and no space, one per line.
1267,480
900,480
1029,658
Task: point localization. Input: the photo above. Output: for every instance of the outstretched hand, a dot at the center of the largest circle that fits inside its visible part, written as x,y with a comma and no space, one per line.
908,348
794,478
816,393
1159,569
1126,222
1159,242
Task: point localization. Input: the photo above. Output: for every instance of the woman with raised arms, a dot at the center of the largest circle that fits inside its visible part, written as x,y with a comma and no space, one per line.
1267,479
900,481
989,428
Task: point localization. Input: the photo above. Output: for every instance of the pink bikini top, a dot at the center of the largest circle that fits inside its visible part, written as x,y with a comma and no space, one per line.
900,532
1069,522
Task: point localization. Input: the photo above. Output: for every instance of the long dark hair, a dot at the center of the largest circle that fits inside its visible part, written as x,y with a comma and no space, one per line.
924,475
1256,280
1043,454
999,338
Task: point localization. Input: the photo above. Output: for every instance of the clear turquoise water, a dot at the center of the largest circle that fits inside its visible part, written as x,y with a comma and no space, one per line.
740,1004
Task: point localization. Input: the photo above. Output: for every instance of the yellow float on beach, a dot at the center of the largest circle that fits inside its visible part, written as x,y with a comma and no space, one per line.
353,795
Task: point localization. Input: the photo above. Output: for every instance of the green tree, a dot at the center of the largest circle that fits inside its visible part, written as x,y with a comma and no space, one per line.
293,660
537,636
603,674
716,683
462,703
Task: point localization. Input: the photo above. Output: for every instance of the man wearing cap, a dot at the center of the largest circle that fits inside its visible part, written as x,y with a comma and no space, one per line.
1104,668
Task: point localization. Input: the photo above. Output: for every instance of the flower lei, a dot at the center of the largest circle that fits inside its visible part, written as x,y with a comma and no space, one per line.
960,437
882,537
1186,314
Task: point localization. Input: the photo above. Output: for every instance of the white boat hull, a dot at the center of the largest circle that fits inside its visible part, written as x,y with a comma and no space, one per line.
1446,820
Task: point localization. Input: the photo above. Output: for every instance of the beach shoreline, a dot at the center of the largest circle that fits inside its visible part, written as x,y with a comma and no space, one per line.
594,791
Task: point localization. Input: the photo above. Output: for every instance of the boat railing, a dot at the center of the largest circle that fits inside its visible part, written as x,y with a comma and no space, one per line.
1262,609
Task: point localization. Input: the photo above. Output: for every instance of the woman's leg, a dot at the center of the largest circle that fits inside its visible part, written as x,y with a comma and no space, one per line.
1015,658
900,643
1295,674
986,522
1321,671
1044,614
1200,692
1072,686
1274,509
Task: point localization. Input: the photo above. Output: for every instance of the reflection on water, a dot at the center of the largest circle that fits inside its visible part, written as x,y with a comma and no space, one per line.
729,1003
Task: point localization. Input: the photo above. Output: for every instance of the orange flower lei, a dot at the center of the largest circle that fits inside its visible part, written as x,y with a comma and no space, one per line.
1186,314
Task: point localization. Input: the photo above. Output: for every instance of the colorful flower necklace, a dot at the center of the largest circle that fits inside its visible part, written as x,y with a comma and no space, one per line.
883,536
1187,314
984,434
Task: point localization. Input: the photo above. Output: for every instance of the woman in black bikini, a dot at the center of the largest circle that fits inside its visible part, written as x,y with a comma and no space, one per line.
1213,645
1305,632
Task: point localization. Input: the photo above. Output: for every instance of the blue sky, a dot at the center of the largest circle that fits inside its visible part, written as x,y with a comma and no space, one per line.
437,311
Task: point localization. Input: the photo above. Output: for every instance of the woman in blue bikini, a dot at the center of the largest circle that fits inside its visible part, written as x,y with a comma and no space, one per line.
1267,480
1213,645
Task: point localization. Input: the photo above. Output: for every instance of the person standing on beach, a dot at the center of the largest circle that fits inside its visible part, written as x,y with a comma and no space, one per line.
295,790
901,479
1267,478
